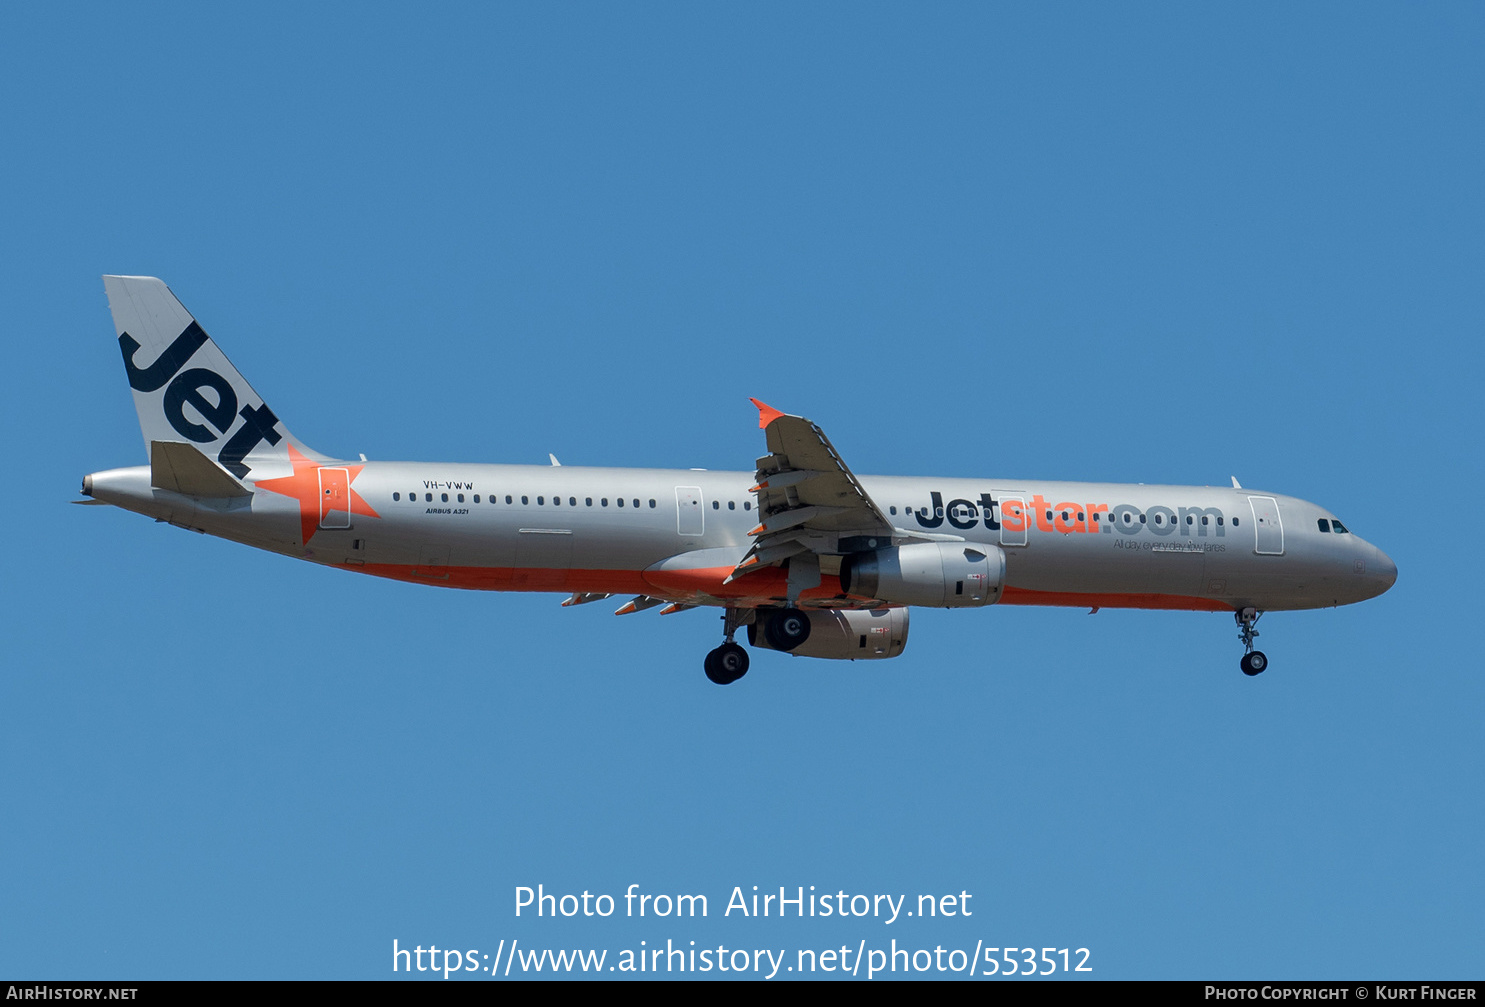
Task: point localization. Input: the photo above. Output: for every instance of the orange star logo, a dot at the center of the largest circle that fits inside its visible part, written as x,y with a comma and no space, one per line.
321,490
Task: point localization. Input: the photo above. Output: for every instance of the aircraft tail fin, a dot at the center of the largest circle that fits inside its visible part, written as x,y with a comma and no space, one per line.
185,388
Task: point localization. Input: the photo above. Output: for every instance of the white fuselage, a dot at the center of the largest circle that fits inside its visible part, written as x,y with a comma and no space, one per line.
607,530
812,559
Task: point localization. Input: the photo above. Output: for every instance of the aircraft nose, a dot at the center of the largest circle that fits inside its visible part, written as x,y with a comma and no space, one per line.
1383,570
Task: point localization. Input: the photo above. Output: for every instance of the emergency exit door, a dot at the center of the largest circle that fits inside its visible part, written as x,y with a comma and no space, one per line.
690,515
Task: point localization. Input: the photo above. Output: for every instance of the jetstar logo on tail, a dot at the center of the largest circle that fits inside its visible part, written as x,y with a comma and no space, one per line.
185,389
320,492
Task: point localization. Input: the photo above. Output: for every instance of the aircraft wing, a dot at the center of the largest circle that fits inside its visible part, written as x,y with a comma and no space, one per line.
809,502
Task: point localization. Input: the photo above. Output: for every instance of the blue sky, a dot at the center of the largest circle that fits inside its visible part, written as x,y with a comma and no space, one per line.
1158,243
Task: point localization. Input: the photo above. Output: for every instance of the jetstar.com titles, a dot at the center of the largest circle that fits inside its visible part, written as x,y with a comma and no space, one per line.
1014,514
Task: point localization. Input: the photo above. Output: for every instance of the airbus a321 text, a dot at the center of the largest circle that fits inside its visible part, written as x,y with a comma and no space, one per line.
811,558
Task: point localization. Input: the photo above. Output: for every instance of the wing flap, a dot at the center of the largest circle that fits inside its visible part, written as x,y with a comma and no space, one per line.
808,498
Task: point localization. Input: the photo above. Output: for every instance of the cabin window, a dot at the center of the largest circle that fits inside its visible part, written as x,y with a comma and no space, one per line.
461,497
716,505
636,501
427,497
652,505
525,500
603,502
541,501
1142,519
396,496
588,501
747,505
732,505
1234,522
1203,519
892,509
1190,519
445,497
572,501
621,501
507,498
1080,515
476,498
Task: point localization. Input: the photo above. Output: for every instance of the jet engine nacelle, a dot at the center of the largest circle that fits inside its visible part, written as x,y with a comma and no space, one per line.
934,574
844,635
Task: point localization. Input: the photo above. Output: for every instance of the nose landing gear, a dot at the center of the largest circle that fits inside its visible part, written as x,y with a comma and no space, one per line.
1254,661
728,662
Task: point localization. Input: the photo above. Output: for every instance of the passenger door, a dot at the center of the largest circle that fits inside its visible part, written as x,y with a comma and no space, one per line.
335,498
1268,530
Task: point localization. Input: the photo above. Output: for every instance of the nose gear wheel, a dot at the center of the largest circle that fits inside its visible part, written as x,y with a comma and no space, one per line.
1253,661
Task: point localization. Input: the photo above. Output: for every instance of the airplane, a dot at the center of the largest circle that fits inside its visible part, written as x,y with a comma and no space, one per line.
810,558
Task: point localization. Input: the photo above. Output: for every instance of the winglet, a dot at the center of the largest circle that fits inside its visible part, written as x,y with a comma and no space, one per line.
766,414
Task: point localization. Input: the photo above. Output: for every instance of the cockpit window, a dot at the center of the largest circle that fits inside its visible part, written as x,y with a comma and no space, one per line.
1340,529
1324,524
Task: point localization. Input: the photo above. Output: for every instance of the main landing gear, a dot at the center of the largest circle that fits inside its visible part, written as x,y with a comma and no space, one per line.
728,662
1254,661
783,629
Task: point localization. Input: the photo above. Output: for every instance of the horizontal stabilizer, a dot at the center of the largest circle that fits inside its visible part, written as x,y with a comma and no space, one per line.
182,468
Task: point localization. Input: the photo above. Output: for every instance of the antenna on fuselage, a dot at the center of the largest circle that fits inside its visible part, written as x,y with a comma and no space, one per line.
1234,482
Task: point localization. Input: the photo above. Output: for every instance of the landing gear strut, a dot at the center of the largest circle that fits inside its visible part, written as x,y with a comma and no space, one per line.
728,662
1254,661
